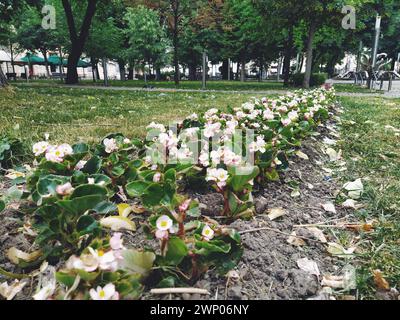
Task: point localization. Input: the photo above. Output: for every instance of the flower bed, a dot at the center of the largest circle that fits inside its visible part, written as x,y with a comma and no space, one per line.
77,191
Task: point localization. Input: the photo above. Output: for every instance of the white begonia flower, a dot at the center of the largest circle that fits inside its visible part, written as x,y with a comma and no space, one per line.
210,129
240,115
127,141
157,177
286,121
110,145
106,260
268,115
204,159
40,148
106,293
258,145
54,154
158,126
64,189
91,181
207,233
164,223
116,241
45,292
66,149
293,115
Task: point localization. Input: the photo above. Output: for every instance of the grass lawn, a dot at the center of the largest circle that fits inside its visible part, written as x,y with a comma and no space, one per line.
185,84
352,88
71,115
371,147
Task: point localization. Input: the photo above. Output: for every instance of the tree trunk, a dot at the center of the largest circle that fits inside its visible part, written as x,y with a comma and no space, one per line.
310,41
176,43
3,79
192,71
77,40
121,65
288,57
46,62
12,61
158,73
225,68
243,70
130,73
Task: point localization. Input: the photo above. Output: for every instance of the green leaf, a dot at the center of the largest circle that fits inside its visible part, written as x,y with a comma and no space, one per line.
88,190
65,278
242,176
138,261
118,171
92,166
86,225
80,148
136,188
153,195
176,252
2,205
80,205
213,246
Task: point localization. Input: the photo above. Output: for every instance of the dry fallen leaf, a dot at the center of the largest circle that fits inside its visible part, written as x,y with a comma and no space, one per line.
309,266
318,234
380,281
302,155
15,255
276,213
116,223
355,188
329,207
347,281
338,250
333,155
349,203
10,291
295,241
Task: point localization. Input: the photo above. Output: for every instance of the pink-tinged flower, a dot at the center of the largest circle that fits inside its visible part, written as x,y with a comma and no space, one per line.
86,262
40,148
157,177
286,122
210,129
110,145
293,115
106,260
307,116
80,165
106,293
66,149
207,233
185,205
204,159
116,241
64,189
162,234
54,154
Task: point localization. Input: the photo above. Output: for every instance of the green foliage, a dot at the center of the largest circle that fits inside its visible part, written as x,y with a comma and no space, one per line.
317,79
12,152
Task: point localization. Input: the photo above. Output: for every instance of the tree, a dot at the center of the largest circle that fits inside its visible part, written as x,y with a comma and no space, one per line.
8,9
77,39
147,39
30,34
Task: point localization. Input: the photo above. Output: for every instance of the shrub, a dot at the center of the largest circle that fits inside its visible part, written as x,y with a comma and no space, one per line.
317,79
